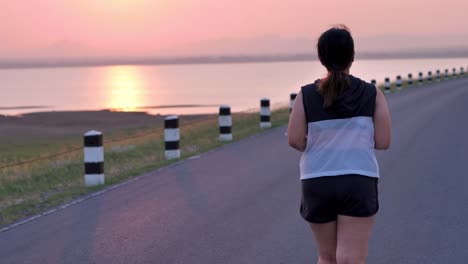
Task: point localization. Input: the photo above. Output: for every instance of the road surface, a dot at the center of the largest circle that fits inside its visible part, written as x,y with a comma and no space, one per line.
240,203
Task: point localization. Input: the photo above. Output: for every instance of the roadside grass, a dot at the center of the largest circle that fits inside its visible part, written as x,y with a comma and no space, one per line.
32,188
32,149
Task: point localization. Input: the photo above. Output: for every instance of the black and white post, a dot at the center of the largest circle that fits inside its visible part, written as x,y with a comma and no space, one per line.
410,80
225,123
438,75
398,83
93,158
265,113
387,85
446,74
454,73
421,80
429,76
171,137
292,98
462,71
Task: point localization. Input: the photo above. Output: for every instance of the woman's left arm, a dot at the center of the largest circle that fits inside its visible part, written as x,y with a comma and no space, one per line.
297,126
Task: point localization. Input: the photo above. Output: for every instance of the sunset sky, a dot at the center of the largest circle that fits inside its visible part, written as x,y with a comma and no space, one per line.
147,27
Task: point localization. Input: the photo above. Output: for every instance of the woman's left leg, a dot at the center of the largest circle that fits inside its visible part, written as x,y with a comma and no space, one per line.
353,239
326,238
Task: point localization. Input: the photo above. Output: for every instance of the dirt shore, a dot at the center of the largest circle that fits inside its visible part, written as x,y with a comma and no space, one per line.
52,125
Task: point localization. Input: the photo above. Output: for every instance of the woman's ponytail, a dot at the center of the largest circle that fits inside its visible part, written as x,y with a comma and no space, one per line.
335,49
332,86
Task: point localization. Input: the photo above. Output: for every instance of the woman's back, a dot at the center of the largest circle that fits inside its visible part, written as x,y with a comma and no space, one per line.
340,137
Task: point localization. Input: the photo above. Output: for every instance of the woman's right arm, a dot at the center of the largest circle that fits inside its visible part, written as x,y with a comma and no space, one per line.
382,123
297,126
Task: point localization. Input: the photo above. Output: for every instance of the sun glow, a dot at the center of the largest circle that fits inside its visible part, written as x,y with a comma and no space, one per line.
119,5
124,10
126,88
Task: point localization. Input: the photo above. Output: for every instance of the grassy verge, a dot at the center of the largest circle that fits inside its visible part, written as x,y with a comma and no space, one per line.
31,188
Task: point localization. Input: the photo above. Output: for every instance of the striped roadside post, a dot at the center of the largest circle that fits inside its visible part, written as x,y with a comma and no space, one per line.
429,76
374,82
420,78
410,80
462,71
454,73
93,158
446,74
292,97
398,82
171,137
265,113
225,123
438,75
387,85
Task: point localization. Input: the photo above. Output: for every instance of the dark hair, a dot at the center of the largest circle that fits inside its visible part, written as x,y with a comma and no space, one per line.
335,49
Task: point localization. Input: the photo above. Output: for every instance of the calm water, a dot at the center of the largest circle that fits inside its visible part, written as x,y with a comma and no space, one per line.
130,87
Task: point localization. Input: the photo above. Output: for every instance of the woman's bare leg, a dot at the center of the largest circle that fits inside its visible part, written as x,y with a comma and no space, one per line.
325,235
353,239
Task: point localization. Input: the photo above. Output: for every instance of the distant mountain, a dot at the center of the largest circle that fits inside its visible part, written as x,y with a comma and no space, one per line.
66,48
411,43
167,60
259,45
283,45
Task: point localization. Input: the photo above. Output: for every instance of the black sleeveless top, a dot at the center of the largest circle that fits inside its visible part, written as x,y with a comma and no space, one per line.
340,139
356,100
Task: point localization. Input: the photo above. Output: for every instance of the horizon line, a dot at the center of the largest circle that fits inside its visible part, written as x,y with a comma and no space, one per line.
90,61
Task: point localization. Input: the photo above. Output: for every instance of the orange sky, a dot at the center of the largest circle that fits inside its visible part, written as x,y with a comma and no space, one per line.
132,27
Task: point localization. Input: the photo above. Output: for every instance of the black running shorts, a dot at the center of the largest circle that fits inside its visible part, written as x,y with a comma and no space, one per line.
324,198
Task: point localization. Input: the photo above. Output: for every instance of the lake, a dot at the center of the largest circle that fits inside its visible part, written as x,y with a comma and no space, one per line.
182,89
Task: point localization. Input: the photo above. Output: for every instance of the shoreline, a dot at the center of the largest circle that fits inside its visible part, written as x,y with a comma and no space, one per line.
17,110
32,63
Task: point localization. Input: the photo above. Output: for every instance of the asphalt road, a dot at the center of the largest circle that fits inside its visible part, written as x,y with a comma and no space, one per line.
240,203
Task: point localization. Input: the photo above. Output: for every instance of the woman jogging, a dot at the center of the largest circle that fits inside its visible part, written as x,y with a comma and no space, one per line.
337,122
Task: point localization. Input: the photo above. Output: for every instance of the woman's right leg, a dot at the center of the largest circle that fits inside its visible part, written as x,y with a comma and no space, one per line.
353,239
325,236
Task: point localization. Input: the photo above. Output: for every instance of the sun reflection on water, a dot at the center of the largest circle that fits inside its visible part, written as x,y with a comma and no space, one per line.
126,88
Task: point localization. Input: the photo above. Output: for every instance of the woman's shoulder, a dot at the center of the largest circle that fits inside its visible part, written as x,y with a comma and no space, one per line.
360,81
361,84
311,87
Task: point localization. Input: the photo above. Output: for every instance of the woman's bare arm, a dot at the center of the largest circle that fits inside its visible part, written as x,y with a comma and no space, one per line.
382,123
297,126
